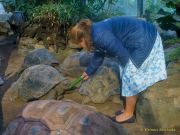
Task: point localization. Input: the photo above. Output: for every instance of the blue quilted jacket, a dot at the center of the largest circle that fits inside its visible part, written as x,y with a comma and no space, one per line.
121,37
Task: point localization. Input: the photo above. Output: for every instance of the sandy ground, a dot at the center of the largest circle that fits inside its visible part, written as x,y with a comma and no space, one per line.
11,64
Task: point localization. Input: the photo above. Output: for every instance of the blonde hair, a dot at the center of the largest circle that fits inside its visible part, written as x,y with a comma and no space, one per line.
82,30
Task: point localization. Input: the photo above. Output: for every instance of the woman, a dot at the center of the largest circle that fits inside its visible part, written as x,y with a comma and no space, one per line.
138,47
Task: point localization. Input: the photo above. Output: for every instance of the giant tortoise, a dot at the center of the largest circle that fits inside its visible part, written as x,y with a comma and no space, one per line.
39,80
39,56
65,117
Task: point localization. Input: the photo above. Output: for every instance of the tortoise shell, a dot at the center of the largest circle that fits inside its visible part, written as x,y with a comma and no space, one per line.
39,56
51,117
36,81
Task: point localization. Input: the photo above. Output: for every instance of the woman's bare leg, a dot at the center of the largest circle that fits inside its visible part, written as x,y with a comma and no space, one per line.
129,108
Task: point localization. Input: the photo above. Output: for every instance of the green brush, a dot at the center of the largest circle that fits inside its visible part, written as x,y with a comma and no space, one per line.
75,82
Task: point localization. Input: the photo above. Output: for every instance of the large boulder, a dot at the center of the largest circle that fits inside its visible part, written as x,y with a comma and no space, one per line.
159,106
75,64
169,34
11,105
64,53
5,28
4,16
101,86
4,25
27,44
31,31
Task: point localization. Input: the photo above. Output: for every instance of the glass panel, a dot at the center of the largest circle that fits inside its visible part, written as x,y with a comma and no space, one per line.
2,11
126,7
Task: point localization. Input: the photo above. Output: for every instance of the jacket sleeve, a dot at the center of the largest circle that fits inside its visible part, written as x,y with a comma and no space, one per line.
95,62
113,46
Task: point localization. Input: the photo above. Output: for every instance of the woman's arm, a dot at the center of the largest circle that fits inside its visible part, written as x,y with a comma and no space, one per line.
95,62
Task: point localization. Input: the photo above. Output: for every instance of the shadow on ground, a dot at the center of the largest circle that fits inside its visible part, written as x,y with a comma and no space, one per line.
6,50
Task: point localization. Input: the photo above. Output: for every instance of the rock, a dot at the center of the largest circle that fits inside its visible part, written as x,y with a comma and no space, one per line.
116,99
177,102
168,34
4,27
159,106
11,105
63,54
100,86
31,31
75,64
2,10
3,15
73,46
8,40
68,118
39,45
27,43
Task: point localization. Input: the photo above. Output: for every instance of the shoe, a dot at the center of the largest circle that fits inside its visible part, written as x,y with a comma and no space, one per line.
130,120
119,112
1,81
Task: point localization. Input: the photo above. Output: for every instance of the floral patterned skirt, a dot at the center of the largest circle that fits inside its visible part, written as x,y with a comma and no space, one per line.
151,71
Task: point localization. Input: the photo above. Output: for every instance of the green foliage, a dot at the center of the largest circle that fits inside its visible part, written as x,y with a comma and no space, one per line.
55,12
164,7
9,4
61,13
26,6
170,42
167,22
174,56
69,12
177,24
65,10
175,1
170,20
151,9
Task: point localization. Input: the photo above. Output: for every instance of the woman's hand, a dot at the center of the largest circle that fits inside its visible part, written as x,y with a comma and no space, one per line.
85,76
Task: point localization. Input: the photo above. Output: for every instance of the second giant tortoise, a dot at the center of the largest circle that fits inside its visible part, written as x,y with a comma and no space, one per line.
39,56
38,80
